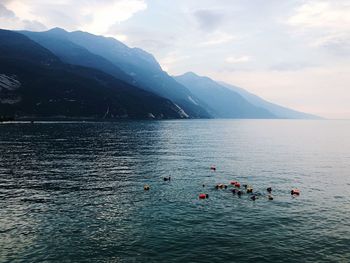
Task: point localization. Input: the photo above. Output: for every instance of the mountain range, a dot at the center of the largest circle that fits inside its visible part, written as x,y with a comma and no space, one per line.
58,74
228,101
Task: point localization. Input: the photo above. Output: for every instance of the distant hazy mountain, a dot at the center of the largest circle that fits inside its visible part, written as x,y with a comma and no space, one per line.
277,110
223,102
35,83
141,66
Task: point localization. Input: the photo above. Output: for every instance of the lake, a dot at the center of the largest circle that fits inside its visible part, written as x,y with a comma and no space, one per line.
73,192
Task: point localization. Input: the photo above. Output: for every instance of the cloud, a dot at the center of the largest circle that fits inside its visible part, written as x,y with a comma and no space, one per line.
291,66
326,14
208,19
9,20
325,23
95,16
33,25
4,12
239,59
218,38
105,16
146,38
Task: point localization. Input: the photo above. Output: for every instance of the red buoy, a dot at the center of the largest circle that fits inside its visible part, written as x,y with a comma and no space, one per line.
203,196
237,184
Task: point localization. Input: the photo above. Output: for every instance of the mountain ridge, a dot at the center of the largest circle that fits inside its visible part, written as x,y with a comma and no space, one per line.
223,102
276,110
140,65
35,83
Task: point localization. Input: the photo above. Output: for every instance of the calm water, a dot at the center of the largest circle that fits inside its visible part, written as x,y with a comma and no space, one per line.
74,191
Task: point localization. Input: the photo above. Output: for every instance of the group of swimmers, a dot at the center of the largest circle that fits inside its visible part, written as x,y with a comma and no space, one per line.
236,190
248,189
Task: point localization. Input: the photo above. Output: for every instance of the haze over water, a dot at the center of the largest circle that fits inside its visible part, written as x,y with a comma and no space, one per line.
74,191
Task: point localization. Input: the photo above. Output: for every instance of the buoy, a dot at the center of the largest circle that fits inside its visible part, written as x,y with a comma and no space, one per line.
249,190
237,184
270,197
269,189
295,192
213,168
234,182
146,187
203,196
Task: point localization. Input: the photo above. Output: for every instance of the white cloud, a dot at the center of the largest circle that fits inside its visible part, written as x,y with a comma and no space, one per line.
105,16
9,20
327,22
218,38
90,15
238,59
324,14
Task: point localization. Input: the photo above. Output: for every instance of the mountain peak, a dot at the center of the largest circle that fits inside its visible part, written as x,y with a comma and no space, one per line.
57,30
193,76
190,74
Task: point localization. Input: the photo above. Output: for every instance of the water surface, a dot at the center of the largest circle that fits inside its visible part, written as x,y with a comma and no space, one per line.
74,191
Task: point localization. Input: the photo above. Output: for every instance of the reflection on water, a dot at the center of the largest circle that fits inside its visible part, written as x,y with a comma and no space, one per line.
74,191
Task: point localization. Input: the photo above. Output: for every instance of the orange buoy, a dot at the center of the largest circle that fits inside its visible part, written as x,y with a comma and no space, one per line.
295,192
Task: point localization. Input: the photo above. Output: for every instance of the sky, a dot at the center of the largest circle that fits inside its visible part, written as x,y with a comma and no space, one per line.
292,52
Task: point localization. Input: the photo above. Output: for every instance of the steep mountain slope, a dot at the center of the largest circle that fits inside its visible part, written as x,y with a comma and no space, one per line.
279,111
35,83
224,103
70,53
138,64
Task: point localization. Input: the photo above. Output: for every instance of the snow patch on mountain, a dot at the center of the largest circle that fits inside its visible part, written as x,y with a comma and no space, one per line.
9,82
182,113
192,100
8,87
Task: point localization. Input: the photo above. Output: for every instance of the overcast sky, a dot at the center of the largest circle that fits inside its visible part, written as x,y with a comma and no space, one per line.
292,52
